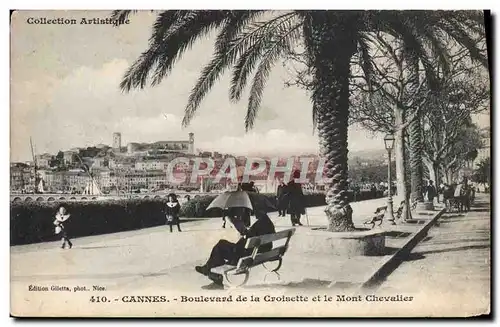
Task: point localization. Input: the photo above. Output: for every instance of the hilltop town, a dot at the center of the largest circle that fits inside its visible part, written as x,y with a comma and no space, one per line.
123,168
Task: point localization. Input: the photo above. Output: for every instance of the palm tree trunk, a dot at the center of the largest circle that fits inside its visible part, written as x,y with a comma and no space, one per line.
416,164
331,54
416,142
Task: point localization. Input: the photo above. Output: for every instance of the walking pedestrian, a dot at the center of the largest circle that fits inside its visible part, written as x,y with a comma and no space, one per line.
441,191
281,199
224,215
460,195
296,200
172,210
431,191
61,217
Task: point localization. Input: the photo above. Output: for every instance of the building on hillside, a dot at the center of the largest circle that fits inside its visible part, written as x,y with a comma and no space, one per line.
43,160
128,180
121,163
69,157
99,162
151,164
162,147
117,141
21,176
65,181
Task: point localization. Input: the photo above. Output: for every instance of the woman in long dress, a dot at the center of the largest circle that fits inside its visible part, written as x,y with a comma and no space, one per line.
61,217
172,210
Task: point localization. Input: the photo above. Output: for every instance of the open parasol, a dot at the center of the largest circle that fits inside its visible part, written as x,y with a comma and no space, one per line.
242,199
237,199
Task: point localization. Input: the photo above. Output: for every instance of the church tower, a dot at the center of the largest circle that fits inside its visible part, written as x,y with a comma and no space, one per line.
191,143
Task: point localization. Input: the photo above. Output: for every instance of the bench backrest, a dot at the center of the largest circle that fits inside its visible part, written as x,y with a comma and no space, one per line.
255,242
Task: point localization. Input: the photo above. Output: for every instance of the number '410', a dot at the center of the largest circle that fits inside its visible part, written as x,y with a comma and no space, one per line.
99,299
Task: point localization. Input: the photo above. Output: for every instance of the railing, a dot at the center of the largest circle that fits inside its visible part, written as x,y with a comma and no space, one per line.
85,197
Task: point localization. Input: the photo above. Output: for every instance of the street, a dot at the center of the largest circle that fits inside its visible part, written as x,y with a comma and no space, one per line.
452,266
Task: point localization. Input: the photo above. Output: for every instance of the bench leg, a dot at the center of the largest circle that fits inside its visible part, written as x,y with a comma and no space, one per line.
277,274
273,271
232,279
280,262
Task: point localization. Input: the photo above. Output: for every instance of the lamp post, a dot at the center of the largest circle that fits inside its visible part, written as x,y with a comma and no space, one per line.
389,145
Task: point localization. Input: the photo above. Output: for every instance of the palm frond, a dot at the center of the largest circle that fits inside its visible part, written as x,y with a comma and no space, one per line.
435,42
225,56
365,59
273,53
281,27
182,38
414,47
161,56
457,32
237,20
165,23
122,15
307,31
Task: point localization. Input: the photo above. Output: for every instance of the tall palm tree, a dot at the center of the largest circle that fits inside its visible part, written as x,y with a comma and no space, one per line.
253,41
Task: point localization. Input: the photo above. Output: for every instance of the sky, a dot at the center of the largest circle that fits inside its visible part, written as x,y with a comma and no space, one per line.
65,93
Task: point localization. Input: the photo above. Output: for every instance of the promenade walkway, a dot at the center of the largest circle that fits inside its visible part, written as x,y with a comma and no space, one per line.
449,272
156,262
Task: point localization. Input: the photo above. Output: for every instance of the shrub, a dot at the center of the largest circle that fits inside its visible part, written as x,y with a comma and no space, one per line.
31,222
197,207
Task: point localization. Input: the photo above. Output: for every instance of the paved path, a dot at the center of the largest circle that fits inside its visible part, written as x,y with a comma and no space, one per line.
450,269
154,261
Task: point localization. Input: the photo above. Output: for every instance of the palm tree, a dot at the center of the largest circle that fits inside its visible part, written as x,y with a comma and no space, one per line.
253,41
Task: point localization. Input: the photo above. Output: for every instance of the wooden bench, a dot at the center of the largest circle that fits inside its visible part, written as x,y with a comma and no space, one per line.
378,216
379,213
399,212
257,258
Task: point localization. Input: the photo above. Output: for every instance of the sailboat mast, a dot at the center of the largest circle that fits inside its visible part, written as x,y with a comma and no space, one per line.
34,163
87,170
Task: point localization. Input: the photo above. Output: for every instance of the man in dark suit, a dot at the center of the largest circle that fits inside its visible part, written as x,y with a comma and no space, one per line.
281,199
296,200
227,252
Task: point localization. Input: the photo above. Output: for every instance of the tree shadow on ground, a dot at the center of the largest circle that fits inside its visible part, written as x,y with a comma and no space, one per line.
480,210
450,215
39,278
428,238
397,234
101,247
390,250
448,221
306,284
481,205
465,240
414,256
461,248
